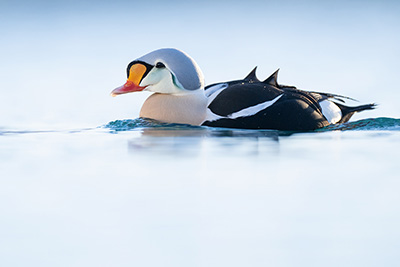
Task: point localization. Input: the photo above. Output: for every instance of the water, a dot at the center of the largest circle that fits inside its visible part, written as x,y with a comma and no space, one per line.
84,183
372,124
138,192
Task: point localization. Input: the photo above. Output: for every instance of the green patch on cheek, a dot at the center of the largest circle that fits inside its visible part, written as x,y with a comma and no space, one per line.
175,81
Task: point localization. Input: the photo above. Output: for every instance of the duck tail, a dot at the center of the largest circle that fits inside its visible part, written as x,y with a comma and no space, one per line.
347,112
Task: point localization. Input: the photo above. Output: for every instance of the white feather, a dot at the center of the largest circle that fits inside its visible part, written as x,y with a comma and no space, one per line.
250,111
211,90
215,91
210,116
331,111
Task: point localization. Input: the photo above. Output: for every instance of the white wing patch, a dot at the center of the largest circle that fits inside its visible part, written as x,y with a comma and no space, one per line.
250,111
215,88
211,116
331,111
214,91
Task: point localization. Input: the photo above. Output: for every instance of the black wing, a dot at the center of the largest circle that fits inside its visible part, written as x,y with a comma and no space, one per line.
240,95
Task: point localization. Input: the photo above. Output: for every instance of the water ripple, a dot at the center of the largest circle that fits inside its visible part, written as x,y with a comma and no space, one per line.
372,124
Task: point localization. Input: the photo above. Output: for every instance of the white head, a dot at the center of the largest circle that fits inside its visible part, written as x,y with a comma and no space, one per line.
166,71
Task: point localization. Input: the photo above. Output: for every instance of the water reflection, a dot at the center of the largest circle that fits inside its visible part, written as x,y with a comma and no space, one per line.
199,140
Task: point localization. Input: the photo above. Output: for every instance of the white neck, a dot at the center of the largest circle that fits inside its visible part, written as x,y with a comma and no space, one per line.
187,108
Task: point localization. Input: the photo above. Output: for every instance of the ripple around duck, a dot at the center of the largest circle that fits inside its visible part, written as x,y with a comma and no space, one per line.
156,128
140,123
372,124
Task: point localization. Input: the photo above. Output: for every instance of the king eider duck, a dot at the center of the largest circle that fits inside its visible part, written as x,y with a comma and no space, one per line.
179,96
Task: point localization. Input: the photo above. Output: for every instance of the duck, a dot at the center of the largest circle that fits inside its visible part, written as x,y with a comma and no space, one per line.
179,95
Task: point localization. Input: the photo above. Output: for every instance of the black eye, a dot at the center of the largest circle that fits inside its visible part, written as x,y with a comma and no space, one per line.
160,65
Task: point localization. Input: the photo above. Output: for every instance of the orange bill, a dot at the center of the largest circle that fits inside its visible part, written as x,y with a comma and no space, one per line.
132,84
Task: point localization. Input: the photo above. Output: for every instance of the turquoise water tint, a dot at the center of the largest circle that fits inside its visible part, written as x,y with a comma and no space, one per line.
85,182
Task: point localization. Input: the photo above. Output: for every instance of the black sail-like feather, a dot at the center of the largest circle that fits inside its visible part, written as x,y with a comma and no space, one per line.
273,79
252,76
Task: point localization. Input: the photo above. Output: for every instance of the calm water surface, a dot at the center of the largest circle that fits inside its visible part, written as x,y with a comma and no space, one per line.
133,193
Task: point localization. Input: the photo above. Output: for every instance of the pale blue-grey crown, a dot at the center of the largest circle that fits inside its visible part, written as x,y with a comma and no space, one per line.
182,66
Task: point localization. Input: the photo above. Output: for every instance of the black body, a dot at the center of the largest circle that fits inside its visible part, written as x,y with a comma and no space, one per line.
295,110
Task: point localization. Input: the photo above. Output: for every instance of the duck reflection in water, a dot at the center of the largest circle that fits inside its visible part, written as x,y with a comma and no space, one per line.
190,140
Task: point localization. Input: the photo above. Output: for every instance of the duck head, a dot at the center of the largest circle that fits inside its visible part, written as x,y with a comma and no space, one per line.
165,71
